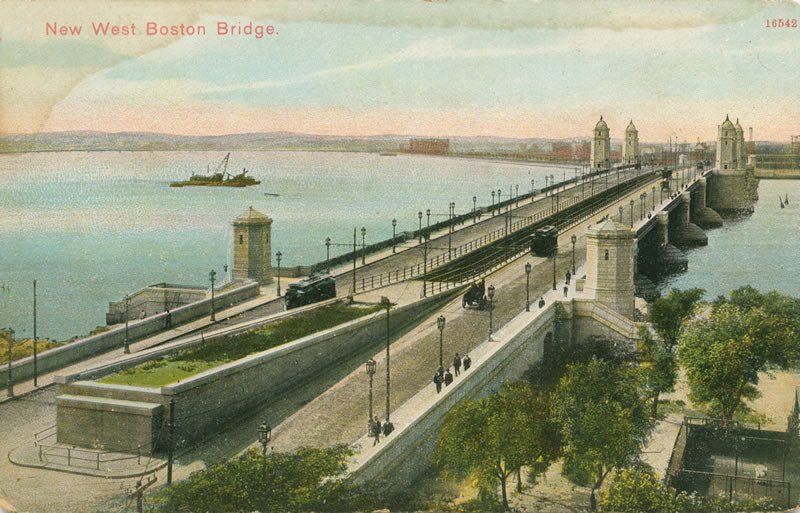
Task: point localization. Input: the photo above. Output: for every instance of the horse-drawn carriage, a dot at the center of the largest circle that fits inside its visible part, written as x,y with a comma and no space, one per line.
475,296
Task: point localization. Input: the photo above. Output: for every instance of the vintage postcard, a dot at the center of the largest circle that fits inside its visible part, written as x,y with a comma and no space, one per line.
465,255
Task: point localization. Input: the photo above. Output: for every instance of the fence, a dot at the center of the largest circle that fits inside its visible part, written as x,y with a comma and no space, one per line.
569,212
78,457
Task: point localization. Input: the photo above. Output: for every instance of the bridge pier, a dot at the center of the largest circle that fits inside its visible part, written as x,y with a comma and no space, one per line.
656,255
703,216
685,233
732,192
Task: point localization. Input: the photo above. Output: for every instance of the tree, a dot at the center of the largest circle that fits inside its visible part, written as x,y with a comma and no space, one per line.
742,337
603,419
495,436
303,480
636,491
669,314
659,368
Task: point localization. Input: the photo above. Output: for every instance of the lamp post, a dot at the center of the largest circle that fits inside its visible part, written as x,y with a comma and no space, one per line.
363,246
371,365
127,349
419,214
654,198
440,322
474,209
425,264
573,239
527,286
499,195
450,231
492,202
631,213
555,254
35,338
620,214
490,292
387,427
328,254
264,437
644,202
394,234
428,224
213,274
517,193
278,256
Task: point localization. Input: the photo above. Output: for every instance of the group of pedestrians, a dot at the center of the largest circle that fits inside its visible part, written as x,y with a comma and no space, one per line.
445,377
376,428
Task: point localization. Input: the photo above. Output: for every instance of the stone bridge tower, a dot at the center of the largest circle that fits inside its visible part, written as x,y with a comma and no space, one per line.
610,260
630,148
726,146
252,259
601,146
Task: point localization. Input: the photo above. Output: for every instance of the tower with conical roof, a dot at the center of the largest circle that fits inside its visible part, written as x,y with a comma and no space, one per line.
726,145
630,149
252,232
610,262
601,146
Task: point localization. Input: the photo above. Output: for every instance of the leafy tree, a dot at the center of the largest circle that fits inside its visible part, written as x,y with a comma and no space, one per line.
603,419
495,436
636,491
669,314
659,367
303,480
742,337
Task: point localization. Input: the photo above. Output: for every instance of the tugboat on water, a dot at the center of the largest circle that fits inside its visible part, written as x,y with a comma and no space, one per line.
220,178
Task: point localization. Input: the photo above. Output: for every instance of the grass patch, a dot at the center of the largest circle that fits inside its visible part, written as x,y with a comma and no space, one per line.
163,372
21,348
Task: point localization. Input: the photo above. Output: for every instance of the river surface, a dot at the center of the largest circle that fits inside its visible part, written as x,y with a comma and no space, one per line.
761,250
91,227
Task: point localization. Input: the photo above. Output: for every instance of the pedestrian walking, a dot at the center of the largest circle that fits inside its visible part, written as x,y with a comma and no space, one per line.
437,380
541,302
566,289
569,275
457,364
467,362
376,431
448,377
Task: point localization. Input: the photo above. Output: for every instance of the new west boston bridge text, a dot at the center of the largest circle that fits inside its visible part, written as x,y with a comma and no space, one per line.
156,29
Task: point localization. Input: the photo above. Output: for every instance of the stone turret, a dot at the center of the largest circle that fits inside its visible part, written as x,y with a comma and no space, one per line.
601,146
630,148
251,247
726,145
610,266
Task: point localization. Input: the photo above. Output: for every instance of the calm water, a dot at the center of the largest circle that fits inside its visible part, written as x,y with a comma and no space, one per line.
91,227
760,250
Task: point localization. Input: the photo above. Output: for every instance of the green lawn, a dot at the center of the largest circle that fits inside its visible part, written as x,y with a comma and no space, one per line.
163,372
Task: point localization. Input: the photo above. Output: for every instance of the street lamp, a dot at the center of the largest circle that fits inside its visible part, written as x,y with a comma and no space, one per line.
420,224
631,213
213,274
127,349
394,226
450,231
532,190
517,193
387,426
555,254
492,202
428,223
620,214
528,287
474,209
278,256
363,246
328,254
573,239
490,292
653,196
264,437
440,324
371,365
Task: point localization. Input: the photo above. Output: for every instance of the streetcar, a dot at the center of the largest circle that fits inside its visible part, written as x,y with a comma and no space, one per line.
313,289
544,242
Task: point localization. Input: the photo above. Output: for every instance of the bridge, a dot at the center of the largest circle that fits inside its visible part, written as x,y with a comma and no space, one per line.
624,222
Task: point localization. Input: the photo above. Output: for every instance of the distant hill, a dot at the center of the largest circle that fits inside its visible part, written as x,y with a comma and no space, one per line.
149,141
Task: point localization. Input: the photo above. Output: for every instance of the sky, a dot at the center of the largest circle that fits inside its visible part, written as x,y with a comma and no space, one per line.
512,68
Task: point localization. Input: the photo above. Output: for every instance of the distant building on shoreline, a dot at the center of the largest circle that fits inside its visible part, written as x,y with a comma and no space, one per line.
428,146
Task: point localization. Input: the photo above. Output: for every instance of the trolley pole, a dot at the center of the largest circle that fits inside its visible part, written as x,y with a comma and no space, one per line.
35,353
171,442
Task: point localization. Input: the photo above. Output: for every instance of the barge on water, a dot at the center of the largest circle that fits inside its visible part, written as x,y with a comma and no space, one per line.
220,178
